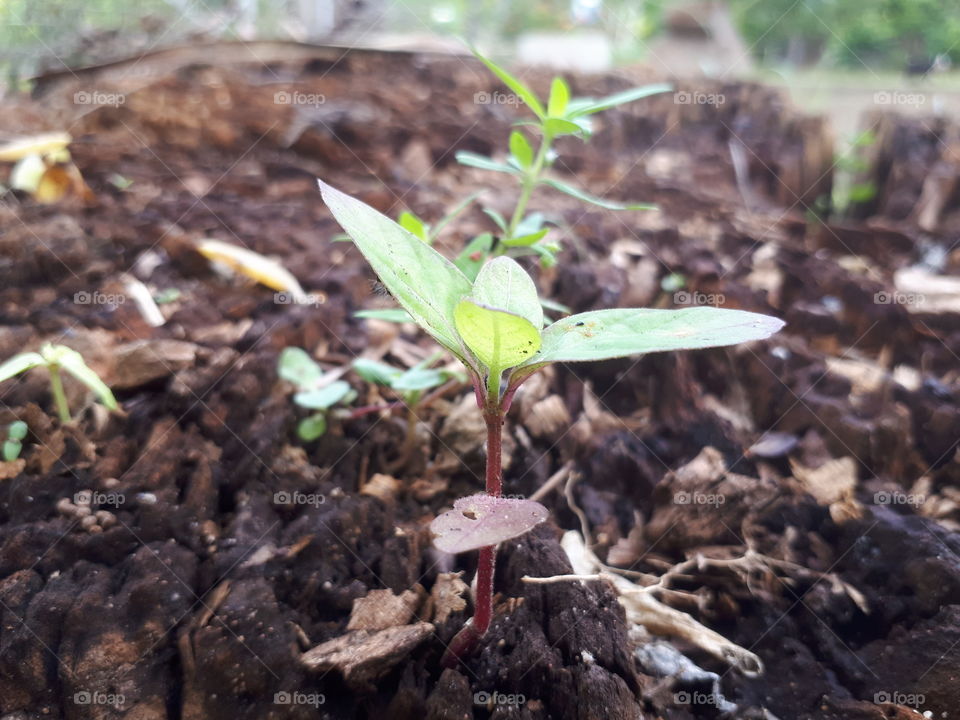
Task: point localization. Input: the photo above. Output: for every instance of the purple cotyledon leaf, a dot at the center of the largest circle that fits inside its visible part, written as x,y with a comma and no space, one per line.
480,520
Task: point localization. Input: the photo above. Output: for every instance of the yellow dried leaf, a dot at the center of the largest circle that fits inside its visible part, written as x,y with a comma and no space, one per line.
253,265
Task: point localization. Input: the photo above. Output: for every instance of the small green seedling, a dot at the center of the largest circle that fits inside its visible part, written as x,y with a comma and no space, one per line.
13,445
55,358
494,324
316,390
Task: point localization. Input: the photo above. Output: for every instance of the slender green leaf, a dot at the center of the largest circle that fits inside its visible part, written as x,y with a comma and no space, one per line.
499,339
603,334
296,366
312,427
72,361
376,372
425,283
20,363
595,106
520,149
420,378
526,240
452,215
397,315
465,157
559,97
472,257
525,93
322,398
497,218
411,223
593,200
504,285
555,127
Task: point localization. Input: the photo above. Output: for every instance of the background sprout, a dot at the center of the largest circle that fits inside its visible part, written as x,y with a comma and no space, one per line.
494,324
316,390
55,358
16,432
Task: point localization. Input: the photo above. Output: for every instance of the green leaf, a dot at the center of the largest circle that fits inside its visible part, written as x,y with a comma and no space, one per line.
296,366
593,200
504,285
559,97
322,398
376,372
526,240
312,427
411,223
420,378
11,450
604,334
483,162
20,363
530,224
472,257
555,127
423,281
525,93
17,430
72,361
397,315
499,339
497,218
520,149
588,107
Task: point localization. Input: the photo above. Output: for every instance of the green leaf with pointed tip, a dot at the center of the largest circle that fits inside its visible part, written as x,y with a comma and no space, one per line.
520,149
556,127
20,363
72,361
559,97
497,218
604,334
397,315
322,398
484,163
410,222
585,106
312,427
376,372
525,93
423,281
499,339
420,378
503,284
296,366
592,199
526,240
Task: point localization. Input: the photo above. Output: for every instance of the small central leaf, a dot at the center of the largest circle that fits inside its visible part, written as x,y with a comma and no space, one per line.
504,285
499,339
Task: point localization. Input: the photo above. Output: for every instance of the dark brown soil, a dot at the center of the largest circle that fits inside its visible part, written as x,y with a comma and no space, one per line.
197,599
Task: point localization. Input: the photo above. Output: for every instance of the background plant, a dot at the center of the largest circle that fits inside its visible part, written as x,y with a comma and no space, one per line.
316,390
13,445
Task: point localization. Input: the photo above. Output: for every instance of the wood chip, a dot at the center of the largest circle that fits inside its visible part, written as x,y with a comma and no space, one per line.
381,609
831,482
447,596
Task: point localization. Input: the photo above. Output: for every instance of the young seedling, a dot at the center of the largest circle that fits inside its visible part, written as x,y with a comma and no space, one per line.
55,358
16,432
494,324
316,390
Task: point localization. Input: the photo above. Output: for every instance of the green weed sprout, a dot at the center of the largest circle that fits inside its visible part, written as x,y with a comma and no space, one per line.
316,390
16,432
56,358
494,324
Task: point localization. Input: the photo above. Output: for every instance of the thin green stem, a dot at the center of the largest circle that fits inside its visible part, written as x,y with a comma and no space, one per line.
530,180
59,397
